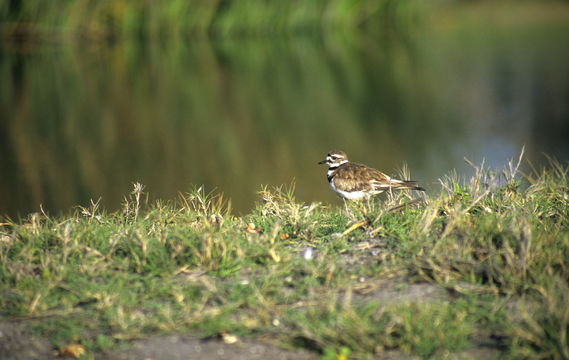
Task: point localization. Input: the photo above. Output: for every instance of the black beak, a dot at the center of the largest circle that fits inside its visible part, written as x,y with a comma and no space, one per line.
322,162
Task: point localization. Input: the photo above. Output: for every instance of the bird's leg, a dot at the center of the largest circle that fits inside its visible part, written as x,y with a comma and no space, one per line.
345,205
366,208
390,194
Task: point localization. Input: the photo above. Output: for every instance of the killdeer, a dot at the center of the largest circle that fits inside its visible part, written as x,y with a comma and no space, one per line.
354,181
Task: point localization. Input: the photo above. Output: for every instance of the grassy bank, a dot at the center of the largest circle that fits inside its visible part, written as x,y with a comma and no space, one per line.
157,19
483,264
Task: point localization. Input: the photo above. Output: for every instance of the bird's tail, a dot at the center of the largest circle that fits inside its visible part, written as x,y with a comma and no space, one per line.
406,184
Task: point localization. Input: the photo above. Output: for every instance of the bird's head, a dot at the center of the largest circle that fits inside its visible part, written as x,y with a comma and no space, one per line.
335,158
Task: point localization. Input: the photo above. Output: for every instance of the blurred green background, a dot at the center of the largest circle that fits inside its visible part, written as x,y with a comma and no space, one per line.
96,95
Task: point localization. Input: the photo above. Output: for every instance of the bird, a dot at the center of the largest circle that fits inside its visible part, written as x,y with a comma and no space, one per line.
355,181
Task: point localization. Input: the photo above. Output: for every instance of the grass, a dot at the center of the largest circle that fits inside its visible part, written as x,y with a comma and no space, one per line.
493,250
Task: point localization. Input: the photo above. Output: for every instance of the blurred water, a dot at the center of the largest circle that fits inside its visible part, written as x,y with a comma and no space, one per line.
81,122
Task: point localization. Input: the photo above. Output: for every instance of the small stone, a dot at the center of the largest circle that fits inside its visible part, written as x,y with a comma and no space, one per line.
308,253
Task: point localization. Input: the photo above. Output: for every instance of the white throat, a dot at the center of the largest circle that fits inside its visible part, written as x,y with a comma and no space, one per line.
335,165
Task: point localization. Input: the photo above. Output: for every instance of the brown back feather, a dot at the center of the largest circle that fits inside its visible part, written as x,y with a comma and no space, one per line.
350,177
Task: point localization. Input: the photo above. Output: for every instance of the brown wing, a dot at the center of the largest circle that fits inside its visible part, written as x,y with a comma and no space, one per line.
354,177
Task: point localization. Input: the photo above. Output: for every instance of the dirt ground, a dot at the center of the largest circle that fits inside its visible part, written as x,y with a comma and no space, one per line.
17,342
